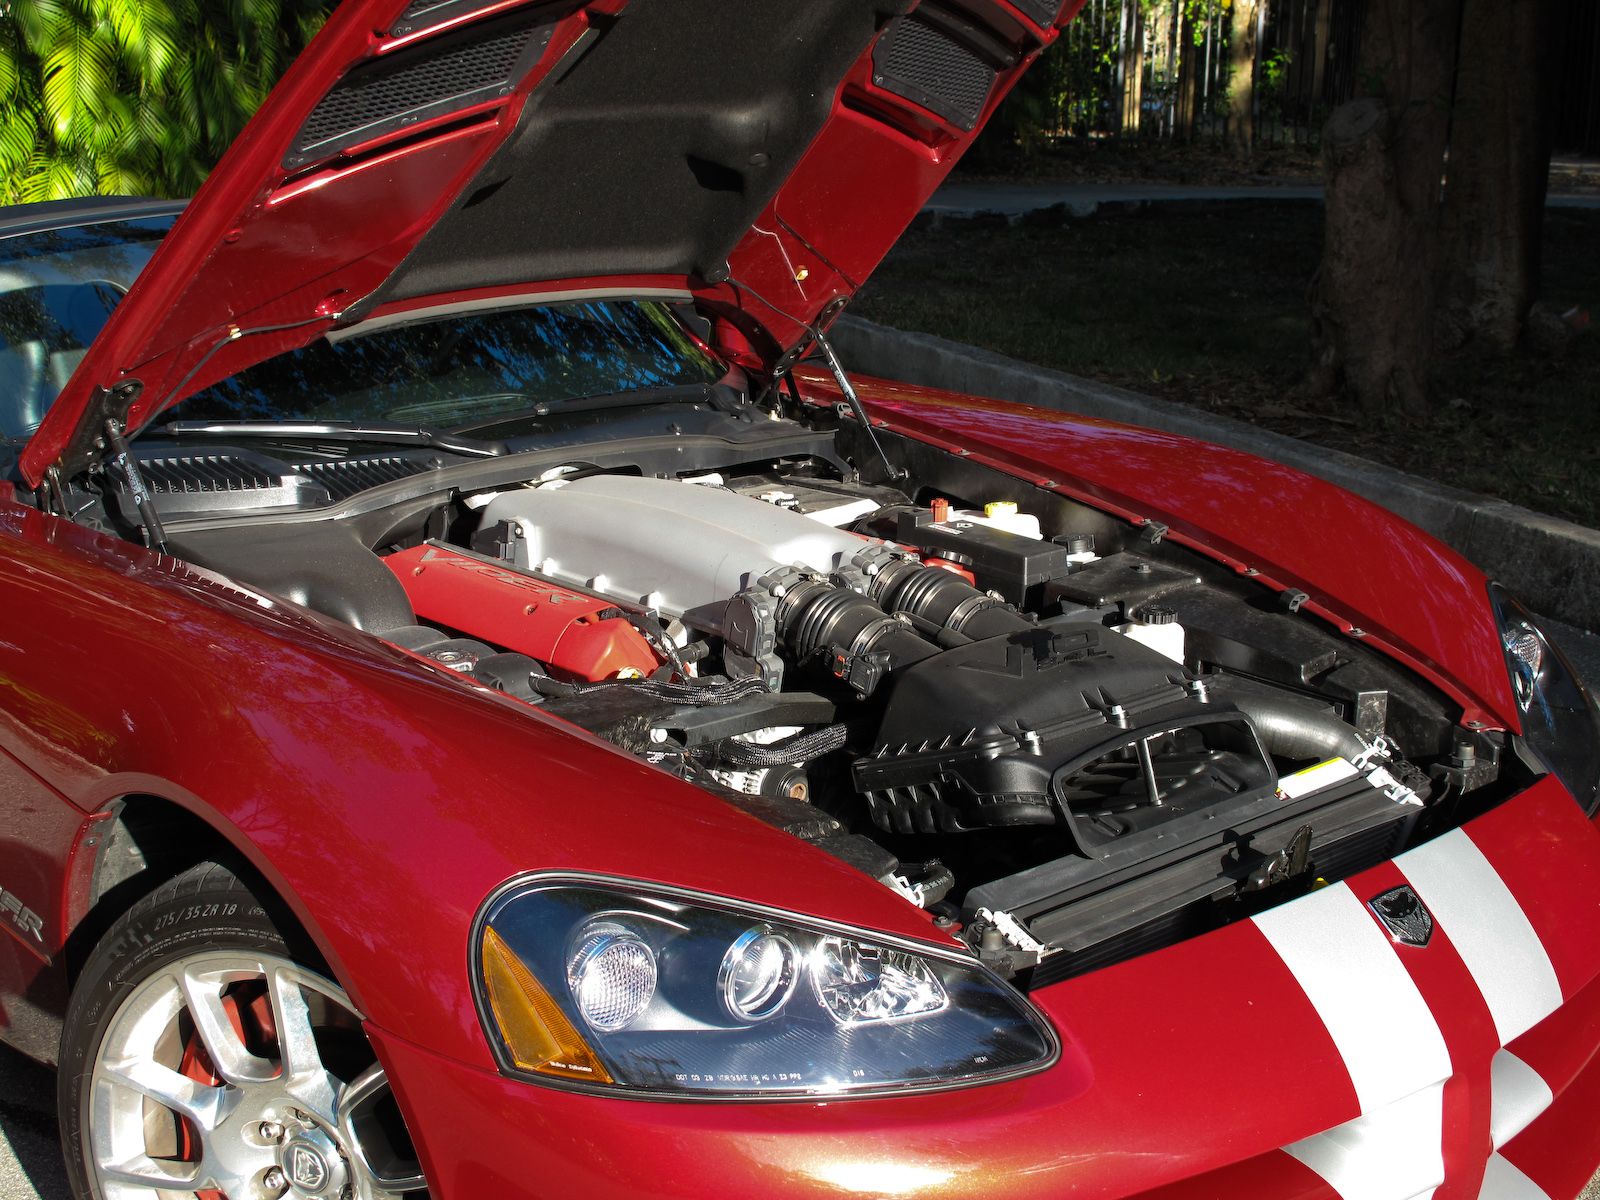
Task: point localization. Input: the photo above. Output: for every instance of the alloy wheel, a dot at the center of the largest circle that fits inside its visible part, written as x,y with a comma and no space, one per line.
229,1075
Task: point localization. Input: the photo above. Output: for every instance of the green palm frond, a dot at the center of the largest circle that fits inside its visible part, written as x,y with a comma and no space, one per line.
134,95
79,70
19,135
10,70
144,33
32,18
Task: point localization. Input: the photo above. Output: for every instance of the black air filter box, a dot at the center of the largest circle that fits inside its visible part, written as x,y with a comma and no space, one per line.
975,737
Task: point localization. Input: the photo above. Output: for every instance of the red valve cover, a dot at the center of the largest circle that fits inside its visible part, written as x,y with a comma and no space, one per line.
578,637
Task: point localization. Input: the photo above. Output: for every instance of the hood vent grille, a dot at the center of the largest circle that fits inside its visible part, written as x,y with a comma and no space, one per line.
928,66
441,76
1044,12
344,478
203,475
197,473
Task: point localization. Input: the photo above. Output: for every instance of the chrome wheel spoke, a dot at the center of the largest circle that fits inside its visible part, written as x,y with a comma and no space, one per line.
303,1075
206,1106
381,1180
384,1189
160,1175
230,1057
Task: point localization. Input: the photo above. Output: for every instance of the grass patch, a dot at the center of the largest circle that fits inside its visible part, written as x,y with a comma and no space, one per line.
1206,305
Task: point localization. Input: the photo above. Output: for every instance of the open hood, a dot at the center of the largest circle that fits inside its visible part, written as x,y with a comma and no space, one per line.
761,156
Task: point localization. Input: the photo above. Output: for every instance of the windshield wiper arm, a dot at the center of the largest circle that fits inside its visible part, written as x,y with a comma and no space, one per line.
339,431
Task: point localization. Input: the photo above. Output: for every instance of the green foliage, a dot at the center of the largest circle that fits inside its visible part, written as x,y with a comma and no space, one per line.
134,96
1077,89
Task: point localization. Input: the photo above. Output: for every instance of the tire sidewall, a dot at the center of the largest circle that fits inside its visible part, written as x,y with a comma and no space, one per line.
165,928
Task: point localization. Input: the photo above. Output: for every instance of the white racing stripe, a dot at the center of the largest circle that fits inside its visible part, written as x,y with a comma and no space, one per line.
1377,1018
1489,930
1390,1043
1395,1153
1502,1181
1519,1095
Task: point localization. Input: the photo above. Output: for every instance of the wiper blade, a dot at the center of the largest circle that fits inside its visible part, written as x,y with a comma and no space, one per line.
338,431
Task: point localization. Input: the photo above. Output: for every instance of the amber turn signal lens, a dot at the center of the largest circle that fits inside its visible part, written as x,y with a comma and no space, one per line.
536,1031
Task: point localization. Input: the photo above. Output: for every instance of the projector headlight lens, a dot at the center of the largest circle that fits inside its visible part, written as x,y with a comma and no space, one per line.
615,986
758,974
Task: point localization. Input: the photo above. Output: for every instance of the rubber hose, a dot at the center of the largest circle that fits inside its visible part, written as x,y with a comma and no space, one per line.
945,601
1290,729
815,616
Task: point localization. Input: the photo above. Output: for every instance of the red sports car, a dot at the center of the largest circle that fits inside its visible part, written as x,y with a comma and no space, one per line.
489,708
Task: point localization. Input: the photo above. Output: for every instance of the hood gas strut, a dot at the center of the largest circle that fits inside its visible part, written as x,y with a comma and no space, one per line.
836,369
854,401
155,533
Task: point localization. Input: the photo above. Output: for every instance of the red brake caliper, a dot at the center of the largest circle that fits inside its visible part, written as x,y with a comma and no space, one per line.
252,1022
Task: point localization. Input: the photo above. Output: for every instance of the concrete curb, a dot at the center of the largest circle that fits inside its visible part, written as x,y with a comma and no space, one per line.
1552,564
1012,202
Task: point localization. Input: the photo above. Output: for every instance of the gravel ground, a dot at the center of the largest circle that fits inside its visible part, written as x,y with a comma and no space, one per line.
30,1160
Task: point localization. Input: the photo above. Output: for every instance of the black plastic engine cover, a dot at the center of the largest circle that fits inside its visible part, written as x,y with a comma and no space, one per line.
975,737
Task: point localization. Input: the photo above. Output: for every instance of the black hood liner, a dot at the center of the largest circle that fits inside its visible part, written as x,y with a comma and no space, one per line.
654,152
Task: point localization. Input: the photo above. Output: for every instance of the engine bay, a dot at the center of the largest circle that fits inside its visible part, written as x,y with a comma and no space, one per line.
1066,738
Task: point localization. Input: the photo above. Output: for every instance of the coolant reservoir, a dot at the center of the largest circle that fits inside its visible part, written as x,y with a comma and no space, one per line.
1002,514
1158,628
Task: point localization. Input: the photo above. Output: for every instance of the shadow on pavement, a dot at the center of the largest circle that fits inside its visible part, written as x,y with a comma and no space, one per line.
30,1156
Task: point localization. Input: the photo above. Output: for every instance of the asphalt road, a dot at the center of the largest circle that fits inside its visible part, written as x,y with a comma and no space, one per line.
30,1160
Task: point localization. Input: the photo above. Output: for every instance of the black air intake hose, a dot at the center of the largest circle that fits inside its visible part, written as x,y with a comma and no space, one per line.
1292,729
814,617
944,600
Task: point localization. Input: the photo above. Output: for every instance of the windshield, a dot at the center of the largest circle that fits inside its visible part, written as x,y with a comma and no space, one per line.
462,371
57,287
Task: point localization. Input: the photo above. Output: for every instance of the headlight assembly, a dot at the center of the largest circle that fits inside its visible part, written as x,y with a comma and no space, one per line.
640,990
1560,719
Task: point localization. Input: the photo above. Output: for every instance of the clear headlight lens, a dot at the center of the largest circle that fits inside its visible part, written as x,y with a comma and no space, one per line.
612,976
1560,718
857,983
758,975
637,989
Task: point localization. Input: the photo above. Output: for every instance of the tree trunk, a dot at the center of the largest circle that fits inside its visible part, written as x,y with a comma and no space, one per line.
1168,38
1321,35
1374,300
1189,64
1133,72
1499,168
1241,129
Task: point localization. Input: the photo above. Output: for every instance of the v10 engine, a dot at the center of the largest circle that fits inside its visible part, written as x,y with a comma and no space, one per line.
943,700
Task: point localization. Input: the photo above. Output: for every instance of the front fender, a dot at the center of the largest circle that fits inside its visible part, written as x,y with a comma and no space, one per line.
384,798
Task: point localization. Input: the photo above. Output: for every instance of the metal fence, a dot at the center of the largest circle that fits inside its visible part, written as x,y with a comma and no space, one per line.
1158,69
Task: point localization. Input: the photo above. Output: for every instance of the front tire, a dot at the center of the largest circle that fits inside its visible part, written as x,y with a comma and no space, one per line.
205,1057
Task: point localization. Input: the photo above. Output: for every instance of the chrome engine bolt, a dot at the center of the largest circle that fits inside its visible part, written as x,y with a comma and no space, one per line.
274,1180
271,1131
